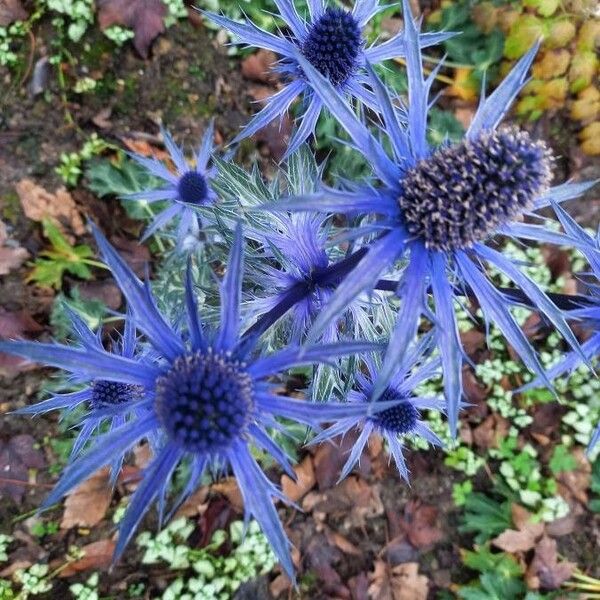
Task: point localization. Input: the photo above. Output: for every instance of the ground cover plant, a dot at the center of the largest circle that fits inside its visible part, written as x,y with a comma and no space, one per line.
364,320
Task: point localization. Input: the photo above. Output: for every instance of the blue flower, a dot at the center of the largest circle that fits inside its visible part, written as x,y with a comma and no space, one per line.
332,41
100,397
588,315
397,422
439,208
185,190
208,397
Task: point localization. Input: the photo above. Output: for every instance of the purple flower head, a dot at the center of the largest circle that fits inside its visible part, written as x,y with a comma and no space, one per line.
332,40
438,208
402,420
185,190
209,396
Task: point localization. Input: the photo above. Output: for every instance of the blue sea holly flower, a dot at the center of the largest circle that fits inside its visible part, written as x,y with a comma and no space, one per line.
404,420
184,190
332,40
208,398
439,207
100,397
588,315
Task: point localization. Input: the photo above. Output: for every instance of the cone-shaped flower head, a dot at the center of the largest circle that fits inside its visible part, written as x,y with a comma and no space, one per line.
185,189
333,42
208,397
437,208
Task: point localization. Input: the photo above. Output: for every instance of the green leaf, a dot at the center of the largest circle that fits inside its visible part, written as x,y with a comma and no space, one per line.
562,460
482,560
523,34
118,178
485,517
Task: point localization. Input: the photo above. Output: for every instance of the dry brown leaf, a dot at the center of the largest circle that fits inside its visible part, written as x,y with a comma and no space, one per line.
522,540
573,485
11,11
259,66
11,256
401,582
97,556
305,480
229,488
87,504
491,431
524,537
419,524
144,148
145,17
39,204
545,571
17,456
344,544
195,505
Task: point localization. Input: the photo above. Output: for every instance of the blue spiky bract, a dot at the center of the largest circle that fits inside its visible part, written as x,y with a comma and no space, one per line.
183,190
207,397
331,40
437,209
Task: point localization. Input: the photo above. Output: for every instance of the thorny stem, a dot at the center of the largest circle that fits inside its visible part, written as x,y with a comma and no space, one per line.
334,274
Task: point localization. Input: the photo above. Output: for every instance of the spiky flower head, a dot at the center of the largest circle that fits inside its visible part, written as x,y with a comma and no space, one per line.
108,404
332,40
404,419
186,189
436,209
209,396
462,193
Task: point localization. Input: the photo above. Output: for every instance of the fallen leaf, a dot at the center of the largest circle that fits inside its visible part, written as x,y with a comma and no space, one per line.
87,504
491,431
305,480
420,524
136,255
573,485
145,17
17,456
259,66
12,256
524,537
342,543
320,557
195,505
14,325
11,11
276,136
39,204
330,458
545,571
144,148
359,586
560,527
401,582
522,540
105,291
96,556
229,488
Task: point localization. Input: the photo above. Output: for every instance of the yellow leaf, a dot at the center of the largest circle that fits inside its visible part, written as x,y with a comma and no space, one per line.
587,105
551,64
463,86
554,93
590,139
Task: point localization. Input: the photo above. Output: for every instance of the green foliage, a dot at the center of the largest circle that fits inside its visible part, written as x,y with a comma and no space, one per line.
562,460
594,503
34,581
9,39
5,541
71,167
87,590
485,517
481,50
216,574
43,528
92,311
460,492
52,265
